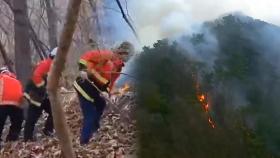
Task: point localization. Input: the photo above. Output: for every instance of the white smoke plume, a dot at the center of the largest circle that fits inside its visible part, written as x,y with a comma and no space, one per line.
159,19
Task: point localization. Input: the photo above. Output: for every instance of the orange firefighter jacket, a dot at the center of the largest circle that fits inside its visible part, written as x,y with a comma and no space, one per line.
40,72
11,91
103,65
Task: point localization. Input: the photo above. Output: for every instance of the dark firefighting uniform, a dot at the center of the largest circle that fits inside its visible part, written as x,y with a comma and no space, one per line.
36,94
99,64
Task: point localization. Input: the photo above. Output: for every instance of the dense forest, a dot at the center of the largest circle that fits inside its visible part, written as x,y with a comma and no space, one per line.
233,62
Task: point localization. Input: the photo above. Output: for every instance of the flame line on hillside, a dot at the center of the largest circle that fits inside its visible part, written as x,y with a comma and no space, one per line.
202,98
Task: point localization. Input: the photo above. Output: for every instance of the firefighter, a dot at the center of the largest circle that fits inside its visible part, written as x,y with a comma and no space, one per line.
11,94
99,69
35,93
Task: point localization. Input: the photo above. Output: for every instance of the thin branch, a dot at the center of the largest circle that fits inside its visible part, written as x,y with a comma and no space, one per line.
4,29
9,3
55,73
7,16
127,13
7,61
98,27
41,15
52,23
113,9
126,8
39,45
31,8
127,21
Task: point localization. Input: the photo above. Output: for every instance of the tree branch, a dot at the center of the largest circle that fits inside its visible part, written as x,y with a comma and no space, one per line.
38,44
7,61
127,21
9,3
55,74
4,29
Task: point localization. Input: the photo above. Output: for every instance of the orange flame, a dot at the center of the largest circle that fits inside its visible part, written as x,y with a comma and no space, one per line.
124,89
201,98
211,122
205,105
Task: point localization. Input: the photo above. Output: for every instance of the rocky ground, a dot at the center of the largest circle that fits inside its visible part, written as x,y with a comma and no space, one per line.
115,139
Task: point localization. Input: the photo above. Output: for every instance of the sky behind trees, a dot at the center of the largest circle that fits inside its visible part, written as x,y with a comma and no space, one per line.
165,18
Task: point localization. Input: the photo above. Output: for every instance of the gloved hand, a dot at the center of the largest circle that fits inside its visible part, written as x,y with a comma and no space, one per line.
105,95
84,75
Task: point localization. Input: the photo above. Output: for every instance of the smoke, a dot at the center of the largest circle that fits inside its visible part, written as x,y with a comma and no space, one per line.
244,63
270,40
204,51
159,19
250,52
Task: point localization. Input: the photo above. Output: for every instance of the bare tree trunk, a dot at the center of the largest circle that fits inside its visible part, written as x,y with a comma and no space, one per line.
7,61
39,45
22,45
52,23
55,73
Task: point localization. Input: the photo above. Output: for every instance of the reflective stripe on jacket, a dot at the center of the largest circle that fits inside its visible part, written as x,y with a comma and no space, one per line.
87,90
35,95
80,90
102,66
35,90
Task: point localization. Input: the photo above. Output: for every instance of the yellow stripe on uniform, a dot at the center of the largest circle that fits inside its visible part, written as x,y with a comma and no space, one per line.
99,77
82,92
83,62
34,102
